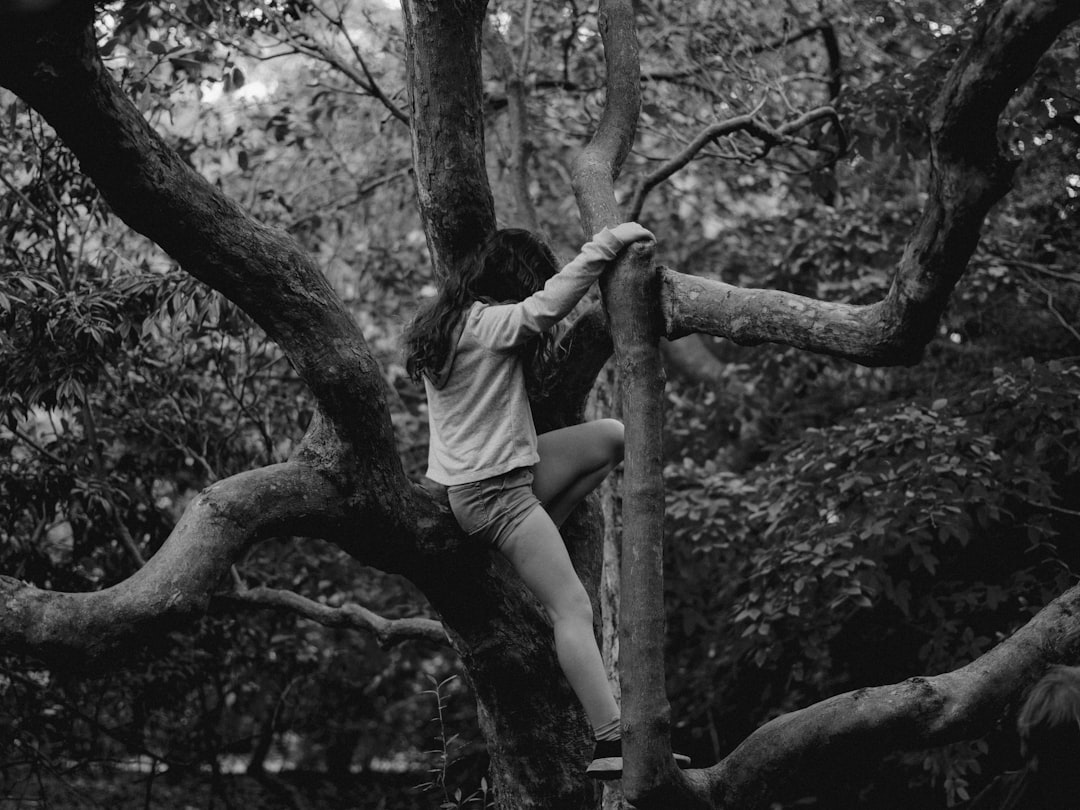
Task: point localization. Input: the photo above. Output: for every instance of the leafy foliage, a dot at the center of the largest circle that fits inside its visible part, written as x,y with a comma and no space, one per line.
906,539
832,527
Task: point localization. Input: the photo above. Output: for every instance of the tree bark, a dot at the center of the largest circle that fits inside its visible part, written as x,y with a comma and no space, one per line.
650,778
599,163
442,46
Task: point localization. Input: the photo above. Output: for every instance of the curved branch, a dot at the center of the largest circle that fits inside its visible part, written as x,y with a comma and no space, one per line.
388,632
599,163
750,123
880,334
862,725
177,583
969,175
51,62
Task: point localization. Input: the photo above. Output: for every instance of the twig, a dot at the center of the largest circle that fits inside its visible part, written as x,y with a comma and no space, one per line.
368,81
30,441
388,632
1046,270
526,34
361,191
712,61
1054,310
749,123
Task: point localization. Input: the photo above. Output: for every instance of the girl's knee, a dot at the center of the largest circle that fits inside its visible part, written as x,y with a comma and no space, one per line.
575,606
612,437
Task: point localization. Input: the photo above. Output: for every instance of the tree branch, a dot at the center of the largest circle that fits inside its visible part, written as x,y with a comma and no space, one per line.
179,580
598,165
28,439
388,632
969,175
861,726
363,79
1061,319
750,123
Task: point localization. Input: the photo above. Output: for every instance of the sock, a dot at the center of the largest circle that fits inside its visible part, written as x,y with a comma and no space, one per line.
611,730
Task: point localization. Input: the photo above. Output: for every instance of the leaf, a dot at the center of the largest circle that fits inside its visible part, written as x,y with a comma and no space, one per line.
157,48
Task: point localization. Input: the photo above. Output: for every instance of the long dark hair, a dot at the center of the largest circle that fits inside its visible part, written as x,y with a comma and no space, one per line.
510,266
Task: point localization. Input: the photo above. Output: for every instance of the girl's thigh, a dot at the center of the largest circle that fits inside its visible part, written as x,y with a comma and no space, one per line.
568,454
536,551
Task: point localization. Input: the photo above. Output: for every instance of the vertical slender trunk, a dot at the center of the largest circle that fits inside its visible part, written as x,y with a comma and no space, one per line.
605,402
631,293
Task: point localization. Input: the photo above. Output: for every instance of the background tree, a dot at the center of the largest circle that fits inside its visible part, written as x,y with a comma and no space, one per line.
346,471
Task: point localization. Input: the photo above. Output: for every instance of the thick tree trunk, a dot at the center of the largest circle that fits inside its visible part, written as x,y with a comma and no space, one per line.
442,45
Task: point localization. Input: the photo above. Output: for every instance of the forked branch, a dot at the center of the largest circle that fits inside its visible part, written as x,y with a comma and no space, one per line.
968,176
769,136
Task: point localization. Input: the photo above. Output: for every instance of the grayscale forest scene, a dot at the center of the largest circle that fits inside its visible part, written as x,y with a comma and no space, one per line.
838,566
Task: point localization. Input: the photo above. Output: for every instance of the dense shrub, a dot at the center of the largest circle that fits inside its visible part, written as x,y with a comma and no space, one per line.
906,539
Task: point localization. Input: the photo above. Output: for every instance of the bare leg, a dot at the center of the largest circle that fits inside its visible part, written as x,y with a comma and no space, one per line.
537,552
573,462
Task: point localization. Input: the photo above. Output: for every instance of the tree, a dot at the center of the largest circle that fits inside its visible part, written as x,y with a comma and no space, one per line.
346,473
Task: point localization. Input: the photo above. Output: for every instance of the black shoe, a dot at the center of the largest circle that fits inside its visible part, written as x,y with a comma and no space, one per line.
607,760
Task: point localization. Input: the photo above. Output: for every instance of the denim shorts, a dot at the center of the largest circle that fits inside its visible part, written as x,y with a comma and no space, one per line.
493,508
